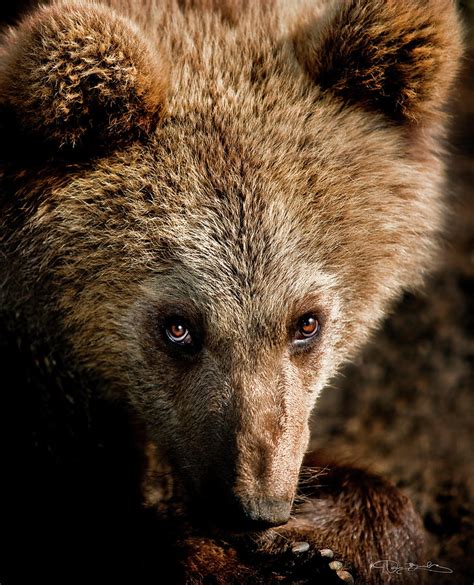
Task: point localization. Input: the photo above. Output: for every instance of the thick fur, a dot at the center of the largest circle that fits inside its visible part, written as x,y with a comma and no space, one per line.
82,75
396,57
217,160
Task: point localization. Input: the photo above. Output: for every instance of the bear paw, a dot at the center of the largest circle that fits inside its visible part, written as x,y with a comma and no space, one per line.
301,561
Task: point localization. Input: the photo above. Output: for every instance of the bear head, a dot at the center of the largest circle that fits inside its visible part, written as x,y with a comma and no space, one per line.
208,206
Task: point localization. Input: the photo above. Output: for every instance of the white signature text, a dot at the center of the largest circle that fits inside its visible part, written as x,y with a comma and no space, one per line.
391,566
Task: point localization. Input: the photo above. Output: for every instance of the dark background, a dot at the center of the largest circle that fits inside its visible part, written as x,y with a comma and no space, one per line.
406,407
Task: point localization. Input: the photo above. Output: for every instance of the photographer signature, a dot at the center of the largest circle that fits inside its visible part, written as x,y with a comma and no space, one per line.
391,566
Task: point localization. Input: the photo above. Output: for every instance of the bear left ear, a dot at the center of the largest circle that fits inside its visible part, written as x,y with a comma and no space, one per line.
398,57
77,74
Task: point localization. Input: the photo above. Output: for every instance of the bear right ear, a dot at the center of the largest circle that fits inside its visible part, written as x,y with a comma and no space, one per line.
76,74
398,57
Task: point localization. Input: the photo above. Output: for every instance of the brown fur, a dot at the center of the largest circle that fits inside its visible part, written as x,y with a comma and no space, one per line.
82,75
357,515
252,180
396,57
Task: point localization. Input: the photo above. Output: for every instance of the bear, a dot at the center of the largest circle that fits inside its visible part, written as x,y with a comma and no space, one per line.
206,209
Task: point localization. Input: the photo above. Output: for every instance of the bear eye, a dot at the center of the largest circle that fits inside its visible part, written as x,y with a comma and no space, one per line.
178,332
307,328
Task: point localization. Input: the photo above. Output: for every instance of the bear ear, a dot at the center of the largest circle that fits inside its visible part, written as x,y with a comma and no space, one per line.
398,57
76,74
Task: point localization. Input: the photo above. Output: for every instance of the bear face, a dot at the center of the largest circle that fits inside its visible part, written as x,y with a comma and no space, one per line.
206,210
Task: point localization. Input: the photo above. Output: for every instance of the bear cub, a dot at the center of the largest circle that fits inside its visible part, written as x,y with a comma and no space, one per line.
206,207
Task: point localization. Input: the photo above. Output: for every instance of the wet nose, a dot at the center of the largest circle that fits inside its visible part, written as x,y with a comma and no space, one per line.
263,513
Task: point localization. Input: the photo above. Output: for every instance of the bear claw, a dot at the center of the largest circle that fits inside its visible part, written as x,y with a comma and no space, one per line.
300,547
346,577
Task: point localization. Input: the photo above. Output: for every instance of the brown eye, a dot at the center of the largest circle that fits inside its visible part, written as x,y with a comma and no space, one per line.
307,328
178,332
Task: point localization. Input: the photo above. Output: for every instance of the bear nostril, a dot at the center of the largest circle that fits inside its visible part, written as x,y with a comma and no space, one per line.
266,512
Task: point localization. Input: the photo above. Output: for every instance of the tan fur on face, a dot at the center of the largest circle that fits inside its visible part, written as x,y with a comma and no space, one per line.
277,183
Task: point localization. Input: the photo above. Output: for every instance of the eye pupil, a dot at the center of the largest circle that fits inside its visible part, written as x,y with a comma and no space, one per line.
178,332
309,325
307,328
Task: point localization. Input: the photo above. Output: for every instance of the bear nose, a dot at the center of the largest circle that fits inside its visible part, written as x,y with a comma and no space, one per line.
263,513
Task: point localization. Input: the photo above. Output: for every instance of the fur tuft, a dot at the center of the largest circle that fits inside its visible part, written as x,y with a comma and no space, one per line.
76,73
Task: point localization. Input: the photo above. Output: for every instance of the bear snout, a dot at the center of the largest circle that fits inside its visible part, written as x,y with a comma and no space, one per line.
264,512
229,512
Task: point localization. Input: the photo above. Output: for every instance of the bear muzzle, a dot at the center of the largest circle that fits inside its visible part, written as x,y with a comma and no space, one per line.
263,512
239,495
224,510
